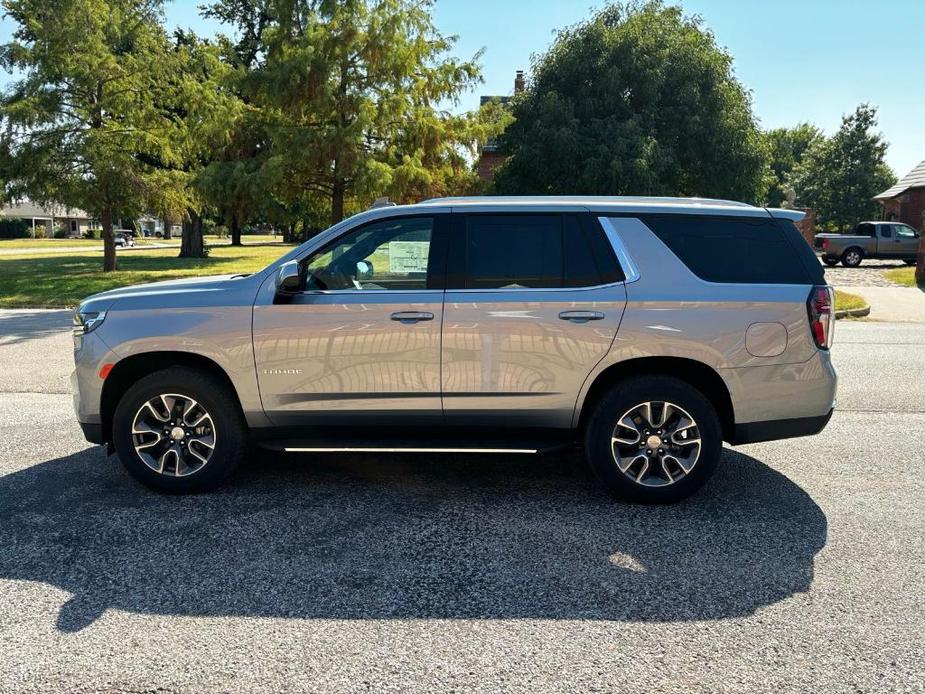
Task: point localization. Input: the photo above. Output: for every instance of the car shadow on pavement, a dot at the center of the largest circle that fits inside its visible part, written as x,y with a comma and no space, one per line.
407,537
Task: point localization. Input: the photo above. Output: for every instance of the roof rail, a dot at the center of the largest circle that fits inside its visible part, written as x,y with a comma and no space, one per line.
381,202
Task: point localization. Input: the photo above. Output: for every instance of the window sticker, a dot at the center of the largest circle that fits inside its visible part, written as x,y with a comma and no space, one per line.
408,256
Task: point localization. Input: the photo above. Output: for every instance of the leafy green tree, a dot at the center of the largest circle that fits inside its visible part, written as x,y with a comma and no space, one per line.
348,92
637,100
81,124
786,148
840,175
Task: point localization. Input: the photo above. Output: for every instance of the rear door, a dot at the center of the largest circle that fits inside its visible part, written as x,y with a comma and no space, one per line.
533,303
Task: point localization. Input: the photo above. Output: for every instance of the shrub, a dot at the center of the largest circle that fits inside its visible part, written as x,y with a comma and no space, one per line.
92,234
60,233
41,232
15,228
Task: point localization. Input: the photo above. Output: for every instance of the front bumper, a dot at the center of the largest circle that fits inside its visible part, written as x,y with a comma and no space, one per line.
92,432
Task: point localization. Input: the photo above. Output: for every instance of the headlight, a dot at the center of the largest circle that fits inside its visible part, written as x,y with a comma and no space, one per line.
87,321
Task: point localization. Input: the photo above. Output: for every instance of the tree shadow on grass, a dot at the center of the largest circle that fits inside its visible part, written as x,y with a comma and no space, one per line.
407,537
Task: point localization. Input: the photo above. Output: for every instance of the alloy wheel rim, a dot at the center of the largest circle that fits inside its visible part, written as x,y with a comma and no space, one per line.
853,257
656,443
174,435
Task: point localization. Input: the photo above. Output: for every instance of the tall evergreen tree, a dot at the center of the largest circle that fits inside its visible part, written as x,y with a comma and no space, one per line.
349,93
82,123
840,175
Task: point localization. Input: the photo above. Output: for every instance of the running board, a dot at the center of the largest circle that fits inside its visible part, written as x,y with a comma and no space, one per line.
352,449
421,440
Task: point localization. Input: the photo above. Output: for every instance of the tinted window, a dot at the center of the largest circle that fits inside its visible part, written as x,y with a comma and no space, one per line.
530,251
735,249
865,229
886,231
392,254
580,267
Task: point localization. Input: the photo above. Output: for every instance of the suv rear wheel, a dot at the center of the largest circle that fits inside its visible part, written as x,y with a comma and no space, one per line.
178,431
653,439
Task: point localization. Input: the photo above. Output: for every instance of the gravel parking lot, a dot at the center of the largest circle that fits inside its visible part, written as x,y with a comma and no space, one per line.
800,567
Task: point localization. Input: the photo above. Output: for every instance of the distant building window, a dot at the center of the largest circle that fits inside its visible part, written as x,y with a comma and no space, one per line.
73,226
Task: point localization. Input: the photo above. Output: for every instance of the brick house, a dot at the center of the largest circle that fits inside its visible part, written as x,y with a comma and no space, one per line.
905,202
490,157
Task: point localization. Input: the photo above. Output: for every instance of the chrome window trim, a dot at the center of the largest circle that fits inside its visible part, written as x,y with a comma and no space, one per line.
623,255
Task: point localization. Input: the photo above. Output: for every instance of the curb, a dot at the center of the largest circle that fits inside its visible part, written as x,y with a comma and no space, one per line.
853,312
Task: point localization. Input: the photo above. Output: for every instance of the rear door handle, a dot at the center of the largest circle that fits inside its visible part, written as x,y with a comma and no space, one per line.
409,317
581,316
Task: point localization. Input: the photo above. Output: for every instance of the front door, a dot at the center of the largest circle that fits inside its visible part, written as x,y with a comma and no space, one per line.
907,241
536,305
361,343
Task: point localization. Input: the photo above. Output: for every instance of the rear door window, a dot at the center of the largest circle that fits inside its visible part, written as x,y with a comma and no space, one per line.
742,250
521,251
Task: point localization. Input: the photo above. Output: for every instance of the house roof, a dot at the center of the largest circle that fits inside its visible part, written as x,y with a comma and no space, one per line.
26,209
913,179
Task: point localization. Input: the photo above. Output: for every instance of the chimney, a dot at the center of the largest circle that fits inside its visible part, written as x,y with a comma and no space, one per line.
519,82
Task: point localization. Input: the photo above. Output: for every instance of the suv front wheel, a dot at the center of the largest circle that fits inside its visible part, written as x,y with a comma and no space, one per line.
653,439
178,431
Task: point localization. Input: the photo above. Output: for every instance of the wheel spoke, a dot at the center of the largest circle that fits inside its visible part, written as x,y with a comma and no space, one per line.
630,461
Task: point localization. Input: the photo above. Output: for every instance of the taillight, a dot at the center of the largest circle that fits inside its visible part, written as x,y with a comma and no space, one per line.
821,309
825,244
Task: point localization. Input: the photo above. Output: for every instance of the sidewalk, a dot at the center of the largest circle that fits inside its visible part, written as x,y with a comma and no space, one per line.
892,304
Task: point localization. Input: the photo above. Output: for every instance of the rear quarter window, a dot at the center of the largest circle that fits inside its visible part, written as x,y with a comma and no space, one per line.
739,250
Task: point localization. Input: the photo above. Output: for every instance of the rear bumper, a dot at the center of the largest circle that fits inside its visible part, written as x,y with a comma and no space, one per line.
753,432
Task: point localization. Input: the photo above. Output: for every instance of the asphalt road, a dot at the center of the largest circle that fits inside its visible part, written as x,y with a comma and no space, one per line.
799,568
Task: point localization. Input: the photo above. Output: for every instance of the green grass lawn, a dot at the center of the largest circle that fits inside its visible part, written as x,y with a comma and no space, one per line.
904,276
63,280
845,301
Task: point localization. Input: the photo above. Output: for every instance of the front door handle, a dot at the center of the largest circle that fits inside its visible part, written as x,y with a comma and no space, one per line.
409,317
581,316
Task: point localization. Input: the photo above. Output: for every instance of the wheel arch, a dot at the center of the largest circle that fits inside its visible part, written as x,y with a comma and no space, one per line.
859,249
697,374
130,370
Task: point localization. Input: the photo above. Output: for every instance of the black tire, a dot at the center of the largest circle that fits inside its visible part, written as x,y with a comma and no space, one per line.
852,257
625,396
215,396
831,262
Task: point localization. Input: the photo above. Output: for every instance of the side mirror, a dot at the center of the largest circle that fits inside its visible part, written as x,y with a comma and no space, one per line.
364,270
289,279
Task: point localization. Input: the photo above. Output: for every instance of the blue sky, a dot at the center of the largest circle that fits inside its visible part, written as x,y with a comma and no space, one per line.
803,60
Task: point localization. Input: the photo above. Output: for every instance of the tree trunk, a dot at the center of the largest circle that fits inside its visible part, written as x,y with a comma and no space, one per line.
235,230
192,244
337,201
109,243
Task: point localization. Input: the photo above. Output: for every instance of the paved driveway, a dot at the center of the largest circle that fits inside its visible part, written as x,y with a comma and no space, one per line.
798,568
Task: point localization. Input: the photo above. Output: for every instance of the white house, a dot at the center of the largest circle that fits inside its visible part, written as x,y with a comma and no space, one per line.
50,217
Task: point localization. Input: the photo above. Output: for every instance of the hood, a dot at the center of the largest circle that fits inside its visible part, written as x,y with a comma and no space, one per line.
169,292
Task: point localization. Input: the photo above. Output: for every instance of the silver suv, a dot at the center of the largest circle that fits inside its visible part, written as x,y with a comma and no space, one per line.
646,330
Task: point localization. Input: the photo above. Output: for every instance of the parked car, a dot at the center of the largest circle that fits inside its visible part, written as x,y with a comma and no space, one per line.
647,331
884,240
124,237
